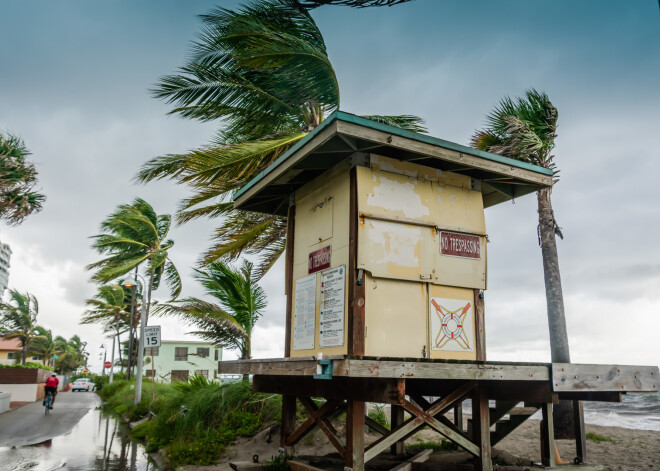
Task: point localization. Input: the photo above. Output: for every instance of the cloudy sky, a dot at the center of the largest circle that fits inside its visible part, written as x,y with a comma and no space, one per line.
74,80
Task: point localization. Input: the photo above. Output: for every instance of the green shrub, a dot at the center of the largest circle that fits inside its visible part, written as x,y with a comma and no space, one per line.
193,421
29,365
203,451
377,414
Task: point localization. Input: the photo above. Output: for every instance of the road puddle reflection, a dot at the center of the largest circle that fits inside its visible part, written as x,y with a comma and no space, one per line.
97,442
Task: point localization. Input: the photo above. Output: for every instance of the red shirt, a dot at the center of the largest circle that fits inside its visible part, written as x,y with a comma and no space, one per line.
52,381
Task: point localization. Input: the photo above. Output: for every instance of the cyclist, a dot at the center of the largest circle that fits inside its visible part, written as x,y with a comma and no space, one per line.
51,385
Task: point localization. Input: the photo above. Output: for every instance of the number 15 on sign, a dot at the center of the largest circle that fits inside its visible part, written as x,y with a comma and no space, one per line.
152,336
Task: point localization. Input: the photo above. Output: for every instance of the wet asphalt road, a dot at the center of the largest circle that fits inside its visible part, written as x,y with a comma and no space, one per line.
76,436
28,424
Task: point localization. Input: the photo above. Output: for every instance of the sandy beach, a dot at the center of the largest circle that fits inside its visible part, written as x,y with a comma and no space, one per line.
624,449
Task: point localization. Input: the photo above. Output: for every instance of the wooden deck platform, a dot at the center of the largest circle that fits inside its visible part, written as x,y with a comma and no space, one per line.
427,390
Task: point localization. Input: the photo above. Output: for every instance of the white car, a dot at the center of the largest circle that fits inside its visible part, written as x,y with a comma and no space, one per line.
82,384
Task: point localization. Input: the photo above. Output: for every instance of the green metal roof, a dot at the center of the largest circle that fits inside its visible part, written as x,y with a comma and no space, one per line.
340,116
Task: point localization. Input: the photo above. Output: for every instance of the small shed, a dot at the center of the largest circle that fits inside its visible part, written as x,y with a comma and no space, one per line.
387,245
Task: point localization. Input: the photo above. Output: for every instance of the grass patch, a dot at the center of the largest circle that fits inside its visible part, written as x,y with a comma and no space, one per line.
193,421
435,446
377,414
594,437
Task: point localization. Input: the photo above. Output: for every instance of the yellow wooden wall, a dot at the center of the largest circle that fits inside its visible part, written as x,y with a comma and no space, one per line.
322,208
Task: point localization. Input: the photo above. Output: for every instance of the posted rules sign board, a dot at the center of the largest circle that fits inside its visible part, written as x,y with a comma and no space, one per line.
152,336
331,324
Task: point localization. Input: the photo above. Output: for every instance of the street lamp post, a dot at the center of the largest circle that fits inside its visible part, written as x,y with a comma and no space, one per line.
143,315
103,348
130,323
112,359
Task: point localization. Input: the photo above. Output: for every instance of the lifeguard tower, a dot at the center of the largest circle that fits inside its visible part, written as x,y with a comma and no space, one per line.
386,269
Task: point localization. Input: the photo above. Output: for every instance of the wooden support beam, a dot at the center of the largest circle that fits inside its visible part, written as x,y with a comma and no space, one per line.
288,422
447,429
481,430
375,426
288,277
422,417
547,437
308,425
420,457
480,325
388,391
318,415
355,455
356,294
569,377
580,437
458,416
396,419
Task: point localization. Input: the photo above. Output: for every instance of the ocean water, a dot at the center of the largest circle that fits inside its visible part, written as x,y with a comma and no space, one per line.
637,411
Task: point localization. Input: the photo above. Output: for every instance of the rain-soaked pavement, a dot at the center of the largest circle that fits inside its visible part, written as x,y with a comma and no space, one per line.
96,442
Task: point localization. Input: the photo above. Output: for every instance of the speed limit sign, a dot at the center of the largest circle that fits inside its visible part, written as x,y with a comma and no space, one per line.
152,336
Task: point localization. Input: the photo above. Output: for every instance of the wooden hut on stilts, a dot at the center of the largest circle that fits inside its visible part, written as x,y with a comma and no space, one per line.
386,270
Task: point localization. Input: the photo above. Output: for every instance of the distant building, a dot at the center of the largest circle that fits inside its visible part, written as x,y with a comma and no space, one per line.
10,351
177,360
5,255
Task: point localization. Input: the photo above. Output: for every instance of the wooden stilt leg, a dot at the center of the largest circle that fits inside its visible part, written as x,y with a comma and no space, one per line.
580,438
396,419
355,435
458,416
288,422
548,437
481,429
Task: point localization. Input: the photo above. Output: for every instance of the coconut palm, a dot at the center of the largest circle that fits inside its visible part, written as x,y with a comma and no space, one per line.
109,308
525,129
18,178
133,234
71,354
43,344
309,4
18,319
264,71
229,321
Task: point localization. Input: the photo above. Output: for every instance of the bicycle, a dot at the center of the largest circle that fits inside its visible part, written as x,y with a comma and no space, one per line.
48,402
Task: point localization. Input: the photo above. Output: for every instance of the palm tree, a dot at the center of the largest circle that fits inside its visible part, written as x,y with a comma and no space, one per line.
71,354
18,319
309,4
230,321
108,307
133,234
43,344
18,177
264,71
525,129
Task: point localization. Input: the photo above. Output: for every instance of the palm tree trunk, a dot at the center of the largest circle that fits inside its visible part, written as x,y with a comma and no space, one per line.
151,285
554,297
559,351
24,354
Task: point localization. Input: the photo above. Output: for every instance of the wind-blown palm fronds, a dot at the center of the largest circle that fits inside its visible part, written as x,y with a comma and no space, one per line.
18,179
525,129
131,235
265,72
309,4
42,344
109,307
71,354
18,319
229,321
